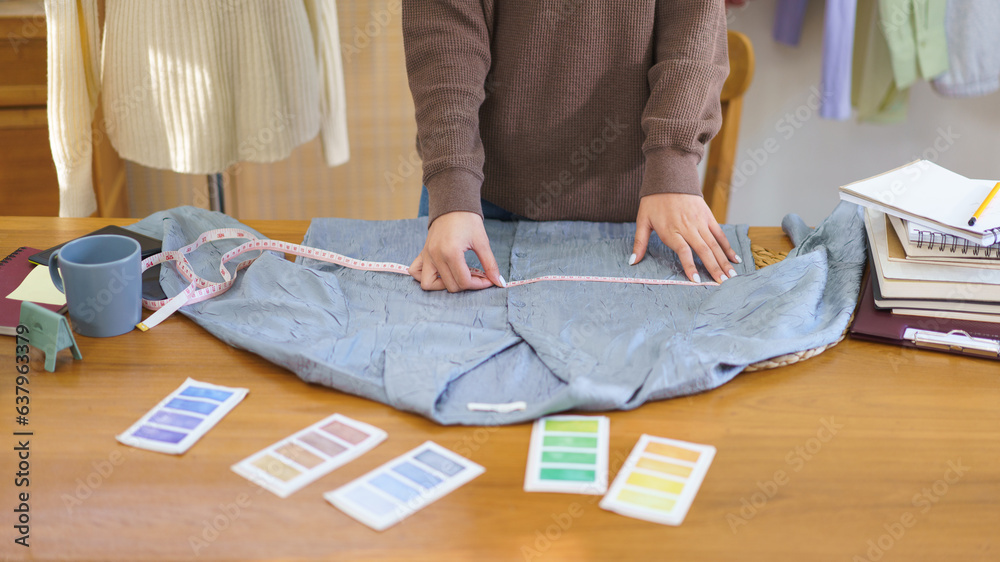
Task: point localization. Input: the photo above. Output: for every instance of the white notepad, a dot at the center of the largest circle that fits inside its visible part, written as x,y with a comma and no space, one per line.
927,194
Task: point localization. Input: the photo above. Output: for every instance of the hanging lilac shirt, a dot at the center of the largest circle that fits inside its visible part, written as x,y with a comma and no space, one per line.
788,19
838,52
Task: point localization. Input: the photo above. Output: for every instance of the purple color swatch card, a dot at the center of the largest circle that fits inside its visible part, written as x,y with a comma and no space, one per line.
183,417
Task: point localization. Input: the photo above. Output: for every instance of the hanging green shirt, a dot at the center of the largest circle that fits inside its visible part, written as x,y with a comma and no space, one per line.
914,30
896,42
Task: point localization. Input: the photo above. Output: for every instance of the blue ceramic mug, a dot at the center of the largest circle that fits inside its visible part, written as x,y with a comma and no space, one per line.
102,280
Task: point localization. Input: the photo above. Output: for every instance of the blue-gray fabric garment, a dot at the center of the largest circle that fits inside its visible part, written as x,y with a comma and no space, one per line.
554,345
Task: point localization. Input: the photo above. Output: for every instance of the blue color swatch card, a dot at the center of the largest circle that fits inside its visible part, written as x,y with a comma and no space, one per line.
182,417
568,454
298,460
404,485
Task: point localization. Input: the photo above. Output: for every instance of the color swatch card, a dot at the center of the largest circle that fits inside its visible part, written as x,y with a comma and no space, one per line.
404,485
294,462
568,454
659,480
182,417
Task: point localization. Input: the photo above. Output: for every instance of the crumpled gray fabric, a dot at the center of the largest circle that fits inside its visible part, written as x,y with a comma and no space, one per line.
554,345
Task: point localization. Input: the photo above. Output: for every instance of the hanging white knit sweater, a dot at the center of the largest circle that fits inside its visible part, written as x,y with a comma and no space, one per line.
192,86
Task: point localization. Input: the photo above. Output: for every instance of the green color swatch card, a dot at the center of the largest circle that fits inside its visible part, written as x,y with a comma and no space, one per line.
568,454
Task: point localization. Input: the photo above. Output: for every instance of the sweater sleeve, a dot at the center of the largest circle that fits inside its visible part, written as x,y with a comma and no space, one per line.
447,44
333,106
683,112
74,71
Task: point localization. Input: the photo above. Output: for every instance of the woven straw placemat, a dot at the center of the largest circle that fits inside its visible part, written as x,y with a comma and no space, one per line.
763,257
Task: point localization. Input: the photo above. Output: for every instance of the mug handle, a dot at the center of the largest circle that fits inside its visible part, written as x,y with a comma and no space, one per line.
54,272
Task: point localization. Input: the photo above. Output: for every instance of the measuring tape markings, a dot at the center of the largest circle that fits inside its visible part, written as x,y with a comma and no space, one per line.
200,289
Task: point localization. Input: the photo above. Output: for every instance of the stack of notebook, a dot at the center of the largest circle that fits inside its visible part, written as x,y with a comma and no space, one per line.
930,270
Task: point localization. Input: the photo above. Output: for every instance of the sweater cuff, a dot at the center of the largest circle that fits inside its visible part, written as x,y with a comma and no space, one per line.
453,189
76,189
670,171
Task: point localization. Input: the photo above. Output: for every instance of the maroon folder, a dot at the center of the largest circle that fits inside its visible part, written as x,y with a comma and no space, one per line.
873,324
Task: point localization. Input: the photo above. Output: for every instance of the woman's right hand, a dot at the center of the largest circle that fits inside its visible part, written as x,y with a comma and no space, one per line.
441,264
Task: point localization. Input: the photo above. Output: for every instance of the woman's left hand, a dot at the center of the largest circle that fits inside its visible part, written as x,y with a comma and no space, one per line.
686,225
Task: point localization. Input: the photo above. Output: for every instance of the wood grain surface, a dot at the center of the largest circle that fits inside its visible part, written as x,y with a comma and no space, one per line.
865,452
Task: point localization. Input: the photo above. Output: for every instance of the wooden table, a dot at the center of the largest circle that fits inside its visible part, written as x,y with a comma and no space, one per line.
866,451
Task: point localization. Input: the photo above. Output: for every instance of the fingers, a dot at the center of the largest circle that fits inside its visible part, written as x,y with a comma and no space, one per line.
643,228
454,274
680,246
477,283
481,246
457,277
428,276
417,267
685,224
717,254
702,244
441,263
426,271
712,257
720,237
454,278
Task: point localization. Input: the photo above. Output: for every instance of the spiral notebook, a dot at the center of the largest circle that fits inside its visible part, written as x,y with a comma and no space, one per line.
20,278
927,194
926,244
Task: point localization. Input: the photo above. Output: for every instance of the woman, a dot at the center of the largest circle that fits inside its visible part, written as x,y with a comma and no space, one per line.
564,110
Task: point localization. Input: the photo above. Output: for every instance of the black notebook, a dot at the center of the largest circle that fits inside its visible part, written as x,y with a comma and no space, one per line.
147,246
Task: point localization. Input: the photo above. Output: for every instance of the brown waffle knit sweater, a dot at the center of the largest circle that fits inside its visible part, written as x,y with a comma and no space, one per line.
563,109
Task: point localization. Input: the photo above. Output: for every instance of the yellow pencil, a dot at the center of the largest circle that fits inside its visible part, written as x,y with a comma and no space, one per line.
986,203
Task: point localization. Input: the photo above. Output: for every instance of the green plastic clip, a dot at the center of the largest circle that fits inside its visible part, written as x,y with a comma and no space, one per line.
49,332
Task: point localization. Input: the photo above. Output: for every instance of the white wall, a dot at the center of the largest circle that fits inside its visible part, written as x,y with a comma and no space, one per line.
811,157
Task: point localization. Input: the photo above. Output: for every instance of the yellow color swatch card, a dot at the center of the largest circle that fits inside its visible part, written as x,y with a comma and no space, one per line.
659,480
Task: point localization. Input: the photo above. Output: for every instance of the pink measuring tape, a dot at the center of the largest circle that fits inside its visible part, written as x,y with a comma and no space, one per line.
201,290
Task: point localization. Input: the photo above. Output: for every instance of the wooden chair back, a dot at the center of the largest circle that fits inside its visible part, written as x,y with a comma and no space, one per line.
722,149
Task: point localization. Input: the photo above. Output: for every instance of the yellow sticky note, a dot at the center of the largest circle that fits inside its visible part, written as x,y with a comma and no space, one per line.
38,287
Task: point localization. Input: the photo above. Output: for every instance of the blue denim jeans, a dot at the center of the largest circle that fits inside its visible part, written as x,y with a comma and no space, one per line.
490,211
